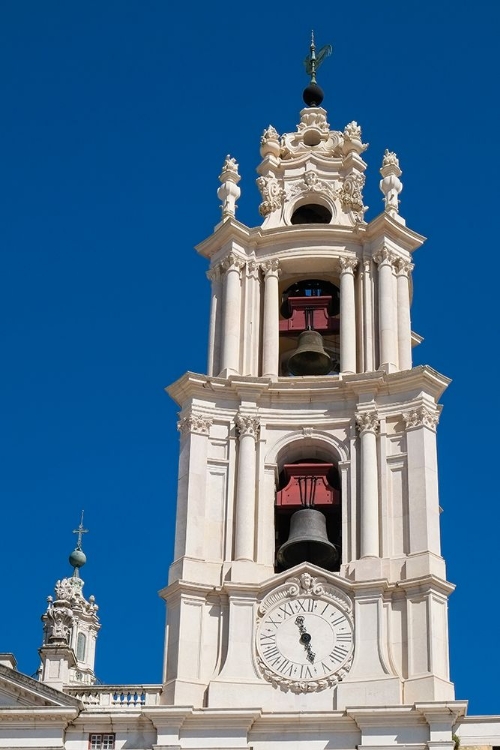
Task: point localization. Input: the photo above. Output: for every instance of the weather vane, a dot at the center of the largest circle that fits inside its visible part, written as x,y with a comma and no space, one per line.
80,531
313,60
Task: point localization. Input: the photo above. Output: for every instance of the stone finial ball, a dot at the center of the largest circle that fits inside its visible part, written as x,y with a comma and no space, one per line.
77,558
313,95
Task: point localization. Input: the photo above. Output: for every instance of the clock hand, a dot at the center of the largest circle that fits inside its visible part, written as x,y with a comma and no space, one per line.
305,638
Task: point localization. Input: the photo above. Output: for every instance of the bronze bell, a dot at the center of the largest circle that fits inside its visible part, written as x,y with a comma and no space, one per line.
310,358
308,541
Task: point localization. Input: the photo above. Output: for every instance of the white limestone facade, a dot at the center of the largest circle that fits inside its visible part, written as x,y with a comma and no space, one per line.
257,654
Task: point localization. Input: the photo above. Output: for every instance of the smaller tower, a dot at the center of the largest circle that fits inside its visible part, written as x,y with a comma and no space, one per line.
70,626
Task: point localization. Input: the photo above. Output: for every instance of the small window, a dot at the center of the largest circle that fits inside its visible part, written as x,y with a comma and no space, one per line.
81,643
102,742
312,213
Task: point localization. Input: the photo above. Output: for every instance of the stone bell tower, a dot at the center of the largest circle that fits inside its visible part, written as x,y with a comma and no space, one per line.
307,573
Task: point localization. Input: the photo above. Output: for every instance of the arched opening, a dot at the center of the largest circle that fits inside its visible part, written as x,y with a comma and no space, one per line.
311,485
81,645
309,328
311,213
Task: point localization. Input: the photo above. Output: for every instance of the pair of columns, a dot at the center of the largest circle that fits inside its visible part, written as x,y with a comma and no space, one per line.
393,307
394,310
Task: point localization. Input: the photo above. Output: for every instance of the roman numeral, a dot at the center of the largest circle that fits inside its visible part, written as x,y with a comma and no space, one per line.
344,637
286,668
339,653
287,609
274,622
339,619
267,640
269,652
305,672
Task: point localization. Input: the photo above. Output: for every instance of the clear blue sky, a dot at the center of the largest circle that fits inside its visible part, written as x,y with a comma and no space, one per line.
116,118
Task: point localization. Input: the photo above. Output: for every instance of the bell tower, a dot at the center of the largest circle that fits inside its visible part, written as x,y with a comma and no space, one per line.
307,572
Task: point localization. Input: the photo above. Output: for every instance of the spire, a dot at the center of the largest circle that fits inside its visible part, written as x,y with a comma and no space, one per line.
313,94
78,558
70,627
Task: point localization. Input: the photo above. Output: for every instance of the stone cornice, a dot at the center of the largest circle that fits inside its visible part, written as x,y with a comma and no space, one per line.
34,690
295,390
384,225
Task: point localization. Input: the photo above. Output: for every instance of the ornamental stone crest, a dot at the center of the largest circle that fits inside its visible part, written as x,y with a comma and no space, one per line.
351,197
58,621
272,194
422,416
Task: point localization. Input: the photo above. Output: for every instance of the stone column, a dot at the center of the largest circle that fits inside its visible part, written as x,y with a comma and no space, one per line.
388,339
403,269
270,331
368,312
347,315
214,342
230,361
248,431
368,426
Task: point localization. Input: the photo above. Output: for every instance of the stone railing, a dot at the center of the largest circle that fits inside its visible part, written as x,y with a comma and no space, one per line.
117,696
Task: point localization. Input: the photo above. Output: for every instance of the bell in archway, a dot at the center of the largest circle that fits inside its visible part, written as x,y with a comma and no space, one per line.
310,358
308,541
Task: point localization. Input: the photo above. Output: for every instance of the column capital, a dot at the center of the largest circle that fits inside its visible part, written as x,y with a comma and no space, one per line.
347,265
403,267
247,424
196,423
421,416
253,269
214,273
232,262
271,267
367,421
385,257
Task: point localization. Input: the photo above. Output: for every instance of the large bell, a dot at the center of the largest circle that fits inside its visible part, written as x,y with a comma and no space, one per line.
309,358
308,541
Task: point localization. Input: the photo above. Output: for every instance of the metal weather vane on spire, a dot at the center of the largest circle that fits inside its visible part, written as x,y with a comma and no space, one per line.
313,94
313,60
80,531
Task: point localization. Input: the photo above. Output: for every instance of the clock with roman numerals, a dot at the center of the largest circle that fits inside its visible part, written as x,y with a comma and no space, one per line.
305,643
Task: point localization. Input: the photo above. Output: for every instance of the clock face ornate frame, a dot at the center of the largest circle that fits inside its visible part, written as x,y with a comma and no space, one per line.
305,635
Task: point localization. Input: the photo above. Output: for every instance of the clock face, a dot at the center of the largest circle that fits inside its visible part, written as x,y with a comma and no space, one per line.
305,639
